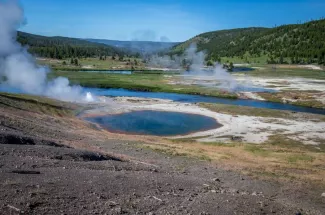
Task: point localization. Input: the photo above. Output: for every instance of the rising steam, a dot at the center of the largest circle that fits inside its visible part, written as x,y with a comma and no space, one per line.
18,68
194,61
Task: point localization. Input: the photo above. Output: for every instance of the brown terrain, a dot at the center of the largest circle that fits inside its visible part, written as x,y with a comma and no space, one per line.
52,162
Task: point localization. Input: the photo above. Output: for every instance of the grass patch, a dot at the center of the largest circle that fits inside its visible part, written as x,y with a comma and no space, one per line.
204,158
256,150
288,160
37,104
272,175
300,158
92,64
268,71
300,98
193,140
138,81
280,159
260,112
164,150
221,144
287,143
247,58
248,111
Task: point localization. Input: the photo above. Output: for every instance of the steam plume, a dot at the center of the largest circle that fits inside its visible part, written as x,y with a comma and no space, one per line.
194,62
18,68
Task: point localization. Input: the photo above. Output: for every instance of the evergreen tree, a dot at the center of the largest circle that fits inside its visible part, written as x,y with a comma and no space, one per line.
209,63
61,47
231,66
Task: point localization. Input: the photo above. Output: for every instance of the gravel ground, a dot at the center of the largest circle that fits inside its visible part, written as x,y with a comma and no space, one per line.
62,165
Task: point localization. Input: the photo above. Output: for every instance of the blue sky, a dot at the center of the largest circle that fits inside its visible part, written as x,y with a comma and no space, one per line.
155,20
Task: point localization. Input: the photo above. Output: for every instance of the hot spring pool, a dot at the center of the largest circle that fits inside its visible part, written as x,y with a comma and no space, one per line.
158,123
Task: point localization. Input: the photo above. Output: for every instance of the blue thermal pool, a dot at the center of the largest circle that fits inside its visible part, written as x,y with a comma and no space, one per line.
157,123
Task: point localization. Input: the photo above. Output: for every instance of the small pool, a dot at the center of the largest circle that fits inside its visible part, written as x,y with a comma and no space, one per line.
157,123
242,69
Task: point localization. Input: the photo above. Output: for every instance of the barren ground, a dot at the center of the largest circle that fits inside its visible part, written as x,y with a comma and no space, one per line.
295,90
52,162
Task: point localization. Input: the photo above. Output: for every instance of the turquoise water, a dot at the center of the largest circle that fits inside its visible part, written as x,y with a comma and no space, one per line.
157,123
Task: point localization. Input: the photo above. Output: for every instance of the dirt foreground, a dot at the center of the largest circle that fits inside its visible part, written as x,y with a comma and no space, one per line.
52,162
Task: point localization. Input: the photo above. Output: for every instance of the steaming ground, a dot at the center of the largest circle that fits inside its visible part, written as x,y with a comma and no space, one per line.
245,85
18,69
249,83
194,61
249,86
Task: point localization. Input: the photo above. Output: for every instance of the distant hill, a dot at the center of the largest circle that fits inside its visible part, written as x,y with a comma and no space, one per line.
64,47
300,43
141,47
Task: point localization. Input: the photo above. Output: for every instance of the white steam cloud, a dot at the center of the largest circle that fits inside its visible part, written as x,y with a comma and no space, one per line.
191,58
18,68
194,62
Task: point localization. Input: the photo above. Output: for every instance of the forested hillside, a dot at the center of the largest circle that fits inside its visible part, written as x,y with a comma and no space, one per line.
222,43
299,44
141,47
64,47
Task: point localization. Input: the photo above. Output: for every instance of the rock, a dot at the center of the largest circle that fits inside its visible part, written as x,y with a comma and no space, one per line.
216,179
154,170
236,138
118,210
25,172
112,204
323,195
233,191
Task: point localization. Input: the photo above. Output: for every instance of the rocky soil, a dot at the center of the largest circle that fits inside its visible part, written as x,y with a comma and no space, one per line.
57,164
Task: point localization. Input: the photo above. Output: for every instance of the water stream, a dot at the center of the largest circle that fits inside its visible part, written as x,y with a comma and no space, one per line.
207,99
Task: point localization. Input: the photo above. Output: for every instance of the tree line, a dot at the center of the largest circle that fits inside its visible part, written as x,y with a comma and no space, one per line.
63,47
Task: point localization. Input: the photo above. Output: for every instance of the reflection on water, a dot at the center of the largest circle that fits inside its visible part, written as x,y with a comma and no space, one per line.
242,69
158,123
